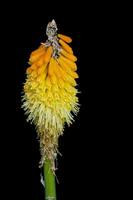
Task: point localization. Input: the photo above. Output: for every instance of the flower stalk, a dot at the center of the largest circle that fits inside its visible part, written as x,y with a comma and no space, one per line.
50,183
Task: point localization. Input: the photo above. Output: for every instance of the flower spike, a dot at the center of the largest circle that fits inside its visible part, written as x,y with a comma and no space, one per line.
50,97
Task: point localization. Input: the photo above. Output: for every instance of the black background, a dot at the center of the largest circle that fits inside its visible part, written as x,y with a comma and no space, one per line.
85,170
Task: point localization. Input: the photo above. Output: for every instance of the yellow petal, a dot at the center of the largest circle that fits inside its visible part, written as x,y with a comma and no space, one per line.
28,70
68,55
48,54
65,67
48,82
50,67
65,38
61,83
70,80
53,79
56,69
40,61
69,63
41,69
66,46
36,54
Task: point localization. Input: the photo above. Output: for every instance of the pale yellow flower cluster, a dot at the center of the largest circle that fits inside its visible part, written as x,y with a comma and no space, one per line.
50,95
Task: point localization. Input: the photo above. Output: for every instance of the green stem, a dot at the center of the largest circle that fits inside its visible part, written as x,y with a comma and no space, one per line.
49,177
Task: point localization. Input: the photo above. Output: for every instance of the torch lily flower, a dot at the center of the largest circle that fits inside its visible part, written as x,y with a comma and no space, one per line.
50,95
